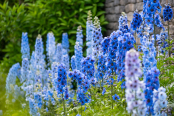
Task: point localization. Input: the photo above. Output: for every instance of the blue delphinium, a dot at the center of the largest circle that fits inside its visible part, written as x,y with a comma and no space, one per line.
39,57
24,70
150,13
83,86
89,33
134,87
81,96
79,36
33,109
50,47
88,67
65,61
97,38
115,97
101,67
162,43
59,53
159,101
78,56
105,44
25,49
61,79
167,13
73,63
77,75
65,41
123,23
11,78
103,92
136,21
125,43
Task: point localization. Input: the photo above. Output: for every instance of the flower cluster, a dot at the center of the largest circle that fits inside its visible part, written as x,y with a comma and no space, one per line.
79,36
89,33
134,87
162,41
136,21
65,41
50,47
78,56
97,38
61,80
167,13
105,44
159,99
25,49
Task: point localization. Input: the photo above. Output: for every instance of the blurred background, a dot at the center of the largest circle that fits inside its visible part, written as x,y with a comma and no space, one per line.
39,17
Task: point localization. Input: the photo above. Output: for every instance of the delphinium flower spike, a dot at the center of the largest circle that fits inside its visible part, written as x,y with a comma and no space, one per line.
97,38
167,13
162,43
167,16
65,42
25,49
79,36
89,33
50,47
11,78
136,21
60,83
159,101
73,63
65,61
152,18
134,87
59,53
78,56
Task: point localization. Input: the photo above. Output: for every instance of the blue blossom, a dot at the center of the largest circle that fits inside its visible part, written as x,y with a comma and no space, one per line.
159,99
25,49
136,21
78,56
79,36
73,63
65,41
11,78
97,38
89,33
103,92
115,97
167,13
105,44
65,61
24,70
50,47
59,53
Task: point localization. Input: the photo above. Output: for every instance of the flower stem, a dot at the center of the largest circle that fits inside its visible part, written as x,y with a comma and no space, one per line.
168,38
154,31
64,107
111,94
81,109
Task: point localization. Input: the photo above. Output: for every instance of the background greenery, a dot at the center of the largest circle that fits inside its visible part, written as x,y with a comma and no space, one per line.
40,17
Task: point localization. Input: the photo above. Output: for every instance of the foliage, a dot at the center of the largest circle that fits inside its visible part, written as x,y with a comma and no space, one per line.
42,17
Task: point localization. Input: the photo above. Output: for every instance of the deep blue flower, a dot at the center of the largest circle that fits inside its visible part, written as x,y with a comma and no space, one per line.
167,13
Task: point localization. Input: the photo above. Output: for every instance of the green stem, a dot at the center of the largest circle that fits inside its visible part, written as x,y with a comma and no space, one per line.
111,94
125,100
154,31
64,107
81,109
168,39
